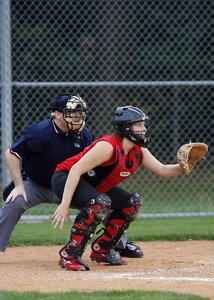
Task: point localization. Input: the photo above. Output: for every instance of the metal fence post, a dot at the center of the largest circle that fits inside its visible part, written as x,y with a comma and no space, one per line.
6,89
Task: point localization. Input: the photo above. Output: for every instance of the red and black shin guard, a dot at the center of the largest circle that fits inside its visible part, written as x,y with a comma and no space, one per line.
85,225
118,222
112,233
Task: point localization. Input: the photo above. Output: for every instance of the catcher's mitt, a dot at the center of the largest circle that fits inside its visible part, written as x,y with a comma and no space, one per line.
189,154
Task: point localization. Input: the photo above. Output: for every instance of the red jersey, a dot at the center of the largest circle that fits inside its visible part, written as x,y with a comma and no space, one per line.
112,172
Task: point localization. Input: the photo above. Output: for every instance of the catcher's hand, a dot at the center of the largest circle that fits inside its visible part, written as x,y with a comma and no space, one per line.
189,154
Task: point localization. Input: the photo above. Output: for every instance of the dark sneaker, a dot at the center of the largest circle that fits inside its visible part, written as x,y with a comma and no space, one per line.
131,250
113,258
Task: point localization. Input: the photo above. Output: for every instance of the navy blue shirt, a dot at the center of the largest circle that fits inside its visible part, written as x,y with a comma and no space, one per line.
44,145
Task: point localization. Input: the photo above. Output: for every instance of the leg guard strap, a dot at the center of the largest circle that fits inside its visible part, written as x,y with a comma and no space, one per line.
82,262
112,233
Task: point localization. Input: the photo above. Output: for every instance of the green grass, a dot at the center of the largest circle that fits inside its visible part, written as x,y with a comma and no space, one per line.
176,195
127,295
195,228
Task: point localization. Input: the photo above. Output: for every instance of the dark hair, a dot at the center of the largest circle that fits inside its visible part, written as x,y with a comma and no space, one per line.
117,133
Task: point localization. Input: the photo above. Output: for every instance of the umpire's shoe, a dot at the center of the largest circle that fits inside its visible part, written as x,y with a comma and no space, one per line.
113,258
130,250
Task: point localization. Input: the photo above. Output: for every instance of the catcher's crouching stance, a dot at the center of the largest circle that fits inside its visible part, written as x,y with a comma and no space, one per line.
88,181
85,225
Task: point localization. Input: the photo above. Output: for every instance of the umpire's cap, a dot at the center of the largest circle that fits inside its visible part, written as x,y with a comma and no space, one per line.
60,102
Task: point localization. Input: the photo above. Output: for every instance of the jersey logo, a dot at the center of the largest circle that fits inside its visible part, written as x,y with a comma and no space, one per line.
124,174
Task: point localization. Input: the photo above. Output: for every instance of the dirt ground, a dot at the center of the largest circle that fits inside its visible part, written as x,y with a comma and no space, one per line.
183,267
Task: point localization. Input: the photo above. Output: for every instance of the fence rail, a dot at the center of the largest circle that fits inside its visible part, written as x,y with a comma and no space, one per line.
115,83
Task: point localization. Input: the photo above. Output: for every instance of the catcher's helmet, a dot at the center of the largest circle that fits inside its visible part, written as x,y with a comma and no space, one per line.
124,117
68,104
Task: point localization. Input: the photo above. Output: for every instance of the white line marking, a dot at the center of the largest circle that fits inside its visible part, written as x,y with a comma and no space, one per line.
142,276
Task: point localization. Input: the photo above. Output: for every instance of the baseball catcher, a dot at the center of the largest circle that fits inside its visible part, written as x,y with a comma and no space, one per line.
190,154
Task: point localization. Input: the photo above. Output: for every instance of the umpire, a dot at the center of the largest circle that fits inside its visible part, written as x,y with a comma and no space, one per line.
32,160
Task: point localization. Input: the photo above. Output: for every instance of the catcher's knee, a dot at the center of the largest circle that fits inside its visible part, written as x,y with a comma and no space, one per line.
132,207
96,209
100,206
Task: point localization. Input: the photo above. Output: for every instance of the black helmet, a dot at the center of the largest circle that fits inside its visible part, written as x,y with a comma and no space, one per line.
124,117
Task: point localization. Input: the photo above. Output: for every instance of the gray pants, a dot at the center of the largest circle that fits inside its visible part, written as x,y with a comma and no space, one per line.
11,212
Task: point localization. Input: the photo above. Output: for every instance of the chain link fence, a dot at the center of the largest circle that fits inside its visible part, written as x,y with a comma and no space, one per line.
154,54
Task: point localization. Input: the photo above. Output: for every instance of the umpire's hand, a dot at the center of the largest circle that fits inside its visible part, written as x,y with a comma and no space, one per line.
17,191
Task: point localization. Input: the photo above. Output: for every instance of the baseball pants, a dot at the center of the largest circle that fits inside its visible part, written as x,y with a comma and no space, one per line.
11,212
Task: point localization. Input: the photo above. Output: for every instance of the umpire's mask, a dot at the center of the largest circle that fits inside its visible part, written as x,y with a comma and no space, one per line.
75,113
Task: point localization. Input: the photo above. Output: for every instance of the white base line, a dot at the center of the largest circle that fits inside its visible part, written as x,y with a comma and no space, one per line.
138,276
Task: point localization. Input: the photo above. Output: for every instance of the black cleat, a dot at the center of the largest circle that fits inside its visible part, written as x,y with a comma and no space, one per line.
113,258
131,250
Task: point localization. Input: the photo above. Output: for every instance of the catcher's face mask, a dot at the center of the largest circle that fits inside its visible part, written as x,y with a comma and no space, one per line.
75,113
138,133
132,123
139,129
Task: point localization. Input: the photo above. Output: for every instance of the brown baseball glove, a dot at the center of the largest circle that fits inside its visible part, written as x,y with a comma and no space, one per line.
190,154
